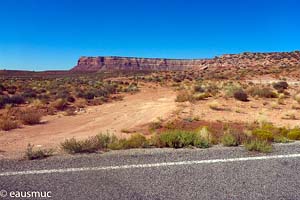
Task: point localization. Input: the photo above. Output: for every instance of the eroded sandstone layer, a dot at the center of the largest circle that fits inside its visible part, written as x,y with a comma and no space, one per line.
276,59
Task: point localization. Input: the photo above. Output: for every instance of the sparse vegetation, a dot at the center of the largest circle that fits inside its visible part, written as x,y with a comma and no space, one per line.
229,140
240,95
184,96
33,154
27,100
280,86
180,139
7,124
30,116
297,98
264,92
294,134
259,145
214,105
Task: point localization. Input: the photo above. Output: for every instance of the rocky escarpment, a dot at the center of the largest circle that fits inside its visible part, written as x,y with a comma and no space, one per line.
243,60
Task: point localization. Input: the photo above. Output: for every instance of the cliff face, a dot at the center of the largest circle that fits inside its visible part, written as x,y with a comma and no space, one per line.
100,63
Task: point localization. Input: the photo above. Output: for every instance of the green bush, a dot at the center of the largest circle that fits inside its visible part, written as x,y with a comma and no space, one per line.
103,140
281,139
263,134
258,145
118,144
177,138
294,134
229,140
73,146
200,141
136,141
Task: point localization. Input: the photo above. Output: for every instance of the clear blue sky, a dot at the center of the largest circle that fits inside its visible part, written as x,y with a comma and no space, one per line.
53,34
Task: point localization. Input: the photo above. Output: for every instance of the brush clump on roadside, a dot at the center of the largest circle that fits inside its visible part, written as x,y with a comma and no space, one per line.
259,139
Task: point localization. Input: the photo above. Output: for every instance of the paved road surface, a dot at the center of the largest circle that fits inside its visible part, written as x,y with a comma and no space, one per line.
215,173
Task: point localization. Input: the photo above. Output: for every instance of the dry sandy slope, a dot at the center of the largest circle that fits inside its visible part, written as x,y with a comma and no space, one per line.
135,110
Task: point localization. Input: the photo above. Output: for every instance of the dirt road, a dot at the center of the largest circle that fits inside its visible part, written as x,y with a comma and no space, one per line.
135,110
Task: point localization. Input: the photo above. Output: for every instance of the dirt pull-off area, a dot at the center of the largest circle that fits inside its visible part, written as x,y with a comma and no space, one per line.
135,110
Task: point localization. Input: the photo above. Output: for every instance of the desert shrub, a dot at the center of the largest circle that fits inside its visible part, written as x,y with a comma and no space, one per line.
283,131
16,99
289,116
231,89
281,139
89,145
263,134
155,125
183,96
240,95
199,88
7,124
37,104
294,134
200,96
177,138
62,94
4,100
74,146
280,86
200,141
215,105
2,88
30,116
112,88
229,140
280,99
131,88
205,133
33,154
297,97
104,140
264,92
259,145
70,99
11,89
29,93
118,144
136,141
212,88
89,95
59,104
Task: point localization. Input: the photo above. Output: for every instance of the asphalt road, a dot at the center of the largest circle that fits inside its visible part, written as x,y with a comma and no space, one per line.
213,173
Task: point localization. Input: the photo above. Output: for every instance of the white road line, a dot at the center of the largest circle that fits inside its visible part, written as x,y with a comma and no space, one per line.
163,164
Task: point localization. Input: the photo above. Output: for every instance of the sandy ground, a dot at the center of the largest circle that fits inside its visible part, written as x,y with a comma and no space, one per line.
135,110
236,111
